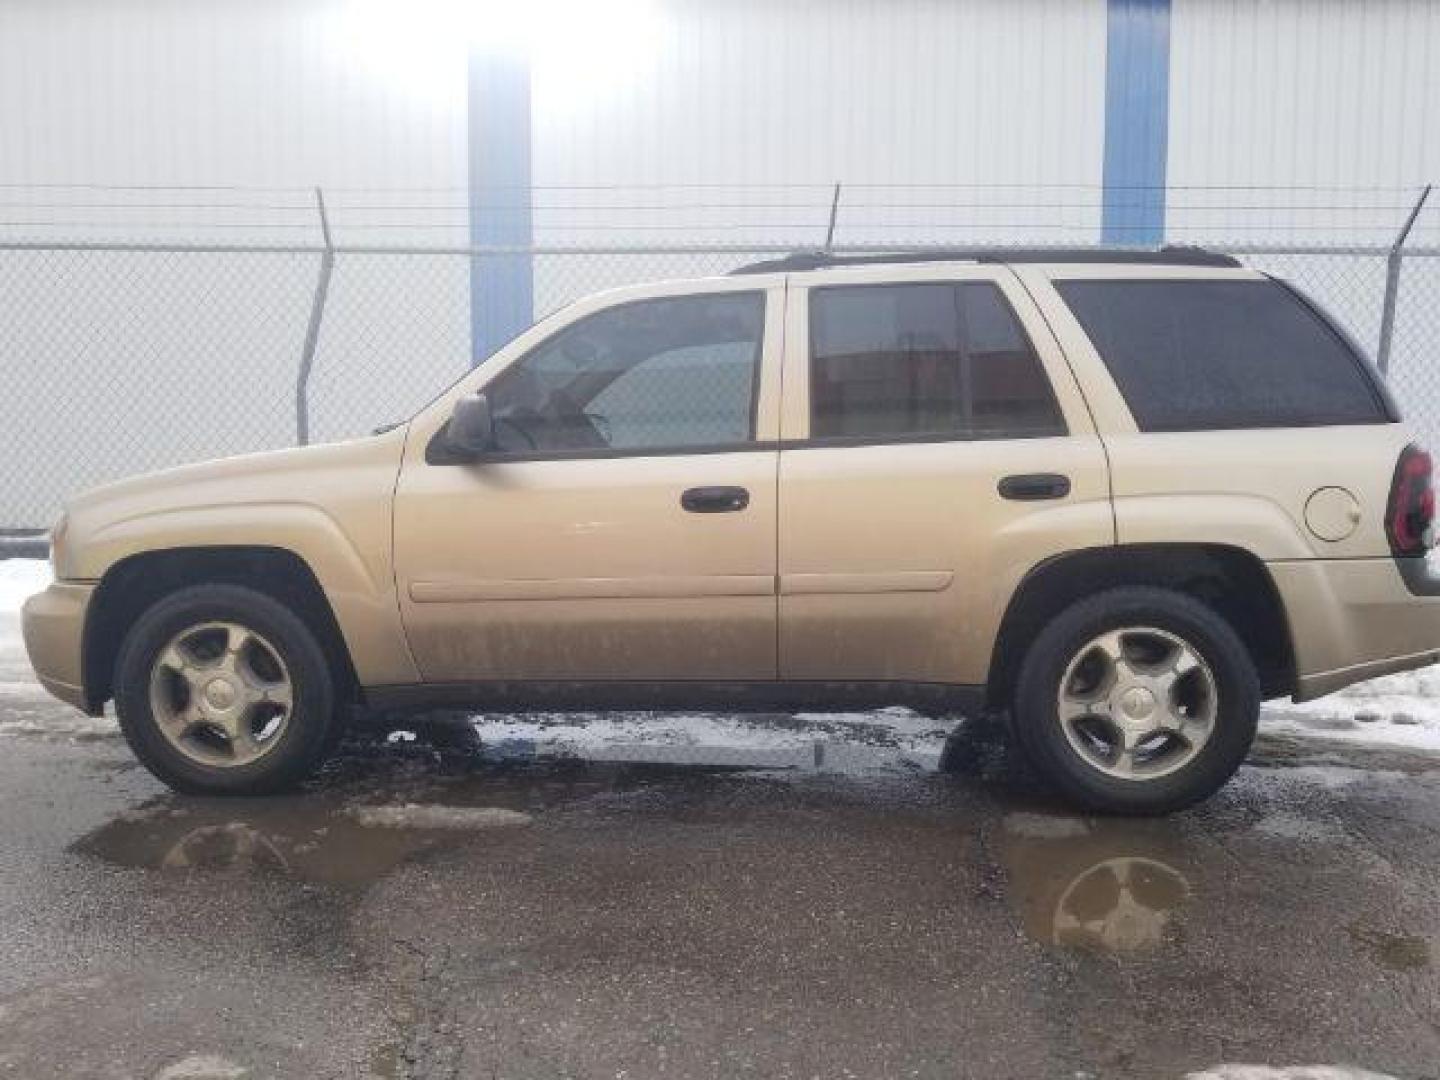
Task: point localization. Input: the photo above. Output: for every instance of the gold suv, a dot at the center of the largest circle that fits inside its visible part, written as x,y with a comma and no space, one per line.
1121,496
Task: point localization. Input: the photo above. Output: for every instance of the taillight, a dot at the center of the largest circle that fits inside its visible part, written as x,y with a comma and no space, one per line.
1411,509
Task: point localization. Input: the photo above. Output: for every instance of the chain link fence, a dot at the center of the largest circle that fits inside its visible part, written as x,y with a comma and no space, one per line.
121,358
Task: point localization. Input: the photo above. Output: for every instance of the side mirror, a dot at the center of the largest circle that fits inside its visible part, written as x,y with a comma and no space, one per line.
471,431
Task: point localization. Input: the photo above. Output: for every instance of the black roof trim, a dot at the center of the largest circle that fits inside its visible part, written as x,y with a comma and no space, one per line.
1166,256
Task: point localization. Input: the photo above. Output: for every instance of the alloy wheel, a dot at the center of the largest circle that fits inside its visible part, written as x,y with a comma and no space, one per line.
221,694
1137,703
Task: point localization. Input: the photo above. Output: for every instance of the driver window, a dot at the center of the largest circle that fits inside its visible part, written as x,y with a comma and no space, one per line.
672,373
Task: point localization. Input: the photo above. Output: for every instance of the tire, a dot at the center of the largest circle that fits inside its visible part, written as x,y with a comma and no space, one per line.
306,727
1223,691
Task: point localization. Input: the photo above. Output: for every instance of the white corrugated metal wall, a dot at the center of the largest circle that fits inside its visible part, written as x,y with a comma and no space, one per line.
656,121
225,92
896,95
1305,92
365,94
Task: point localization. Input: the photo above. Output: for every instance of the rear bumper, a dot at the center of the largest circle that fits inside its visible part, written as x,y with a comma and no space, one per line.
1356,619
53,625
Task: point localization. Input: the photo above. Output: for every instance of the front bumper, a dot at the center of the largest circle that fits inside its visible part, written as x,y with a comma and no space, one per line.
53,625
1356,619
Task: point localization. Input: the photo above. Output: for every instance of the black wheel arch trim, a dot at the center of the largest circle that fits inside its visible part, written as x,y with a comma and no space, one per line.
1142,564
97,661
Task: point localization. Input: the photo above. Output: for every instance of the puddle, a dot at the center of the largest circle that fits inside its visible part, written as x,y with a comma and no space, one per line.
381,805
372,816
300,838
387,799
1102,885
1323,759
1395,951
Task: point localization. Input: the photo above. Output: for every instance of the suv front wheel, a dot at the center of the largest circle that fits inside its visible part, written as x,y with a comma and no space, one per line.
224,690
1137,700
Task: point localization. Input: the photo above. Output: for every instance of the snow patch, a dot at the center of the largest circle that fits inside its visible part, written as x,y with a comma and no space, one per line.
21,578
881,741
1333,777
56,723
1401,710
1044,826
897,729
203,1067
434,816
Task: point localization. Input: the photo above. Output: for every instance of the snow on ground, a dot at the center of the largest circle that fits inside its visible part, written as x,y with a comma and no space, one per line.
897,728
18,579
884,739
1399,710
25,708
432,816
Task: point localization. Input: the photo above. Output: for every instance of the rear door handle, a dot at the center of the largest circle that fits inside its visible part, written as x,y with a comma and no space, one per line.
1030,487
715,500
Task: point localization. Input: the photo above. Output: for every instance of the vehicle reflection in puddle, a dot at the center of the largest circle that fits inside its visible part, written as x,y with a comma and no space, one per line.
386,802
355,827
1095,884
303,837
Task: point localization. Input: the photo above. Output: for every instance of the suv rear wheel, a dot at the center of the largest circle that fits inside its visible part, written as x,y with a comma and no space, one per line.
223,690
1137,700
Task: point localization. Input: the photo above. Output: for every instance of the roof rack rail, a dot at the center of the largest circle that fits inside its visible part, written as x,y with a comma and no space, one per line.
1175,255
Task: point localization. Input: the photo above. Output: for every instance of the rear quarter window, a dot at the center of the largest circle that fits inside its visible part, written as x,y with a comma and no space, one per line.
1199,355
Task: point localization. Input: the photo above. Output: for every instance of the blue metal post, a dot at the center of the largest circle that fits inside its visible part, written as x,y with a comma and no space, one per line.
501,286
1137,121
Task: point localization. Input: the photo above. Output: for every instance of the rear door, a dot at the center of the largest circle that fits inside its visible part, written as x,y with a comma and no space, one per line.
935,447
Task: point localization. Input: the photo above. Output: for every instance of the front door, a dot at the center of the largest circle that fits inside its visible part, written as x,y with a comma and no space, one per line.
936,447
624,528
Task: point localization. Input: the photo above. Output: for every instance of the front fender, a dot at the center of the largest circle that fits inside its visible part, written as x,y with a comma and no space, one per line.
357,582
329,505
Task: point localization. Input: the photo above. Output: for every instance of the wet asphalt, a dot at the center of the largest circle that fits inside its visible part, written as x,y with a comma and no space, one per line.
427,909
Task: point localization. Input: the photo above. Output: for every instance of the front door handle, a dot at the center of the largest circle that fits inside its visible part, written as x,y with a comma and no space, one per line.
715,500
1029,487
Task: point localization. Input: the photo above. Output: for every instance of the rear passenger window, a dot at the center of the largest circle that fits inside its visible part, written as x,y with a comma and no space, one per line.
1196,355
944,359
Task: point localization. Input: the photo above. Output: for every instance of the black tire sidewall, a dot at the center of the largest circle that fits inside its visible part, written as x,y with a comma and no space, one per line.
306,738
1035,715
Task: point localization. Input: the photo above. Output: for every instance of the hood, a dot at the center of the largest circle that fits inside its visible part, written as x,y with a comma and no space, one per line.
332,478
193,477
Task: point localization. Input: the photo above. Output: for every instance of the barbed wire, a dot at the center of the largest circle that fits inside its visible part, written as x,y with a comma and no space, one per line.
826,185
715,211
